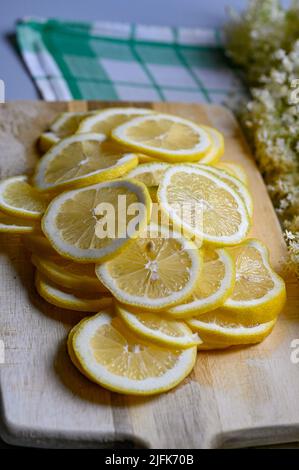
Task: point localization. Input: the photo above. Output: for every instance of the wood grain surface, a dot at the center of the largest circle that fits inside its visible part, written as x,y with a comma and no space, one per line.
235,398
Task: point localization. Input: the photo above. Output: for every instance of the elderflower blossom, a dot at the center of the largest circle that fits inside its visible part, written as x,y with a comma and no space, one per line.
264,42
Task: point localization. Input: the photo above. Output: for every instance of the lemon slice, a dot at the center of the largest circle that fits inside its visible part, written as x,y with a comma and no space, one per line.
69,300
70,348
203,205
39,244
81,160
235,184
209,346
164,136
73,218
217,148
67,273
153,327
234,169
20,199
156,271
259,293
218,327
149,174
10,224
216,284
118,360
67,123
47,140
104,121
146,158
153,193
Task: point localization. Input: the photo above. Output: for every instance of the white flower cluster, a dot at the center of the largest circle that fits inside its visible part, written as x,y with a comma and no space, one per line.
264,42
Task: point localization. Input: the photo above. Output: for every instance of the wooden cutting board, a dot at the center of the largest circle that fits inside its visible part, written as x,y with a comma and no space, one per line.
237,398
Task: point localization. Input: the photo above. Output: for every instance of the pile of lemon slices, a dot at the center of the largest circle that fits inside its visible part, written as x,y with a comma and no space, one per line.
132,219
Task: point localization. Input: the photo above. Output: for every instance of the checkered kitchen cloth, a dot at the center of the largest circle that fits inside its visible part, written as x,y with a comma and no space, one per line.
118,61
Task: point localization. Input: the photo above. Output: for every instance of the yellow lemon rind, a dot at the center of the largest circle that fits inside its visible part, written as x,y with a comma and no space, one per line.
93,255
172,156
66,300
186,340
217,299
120,384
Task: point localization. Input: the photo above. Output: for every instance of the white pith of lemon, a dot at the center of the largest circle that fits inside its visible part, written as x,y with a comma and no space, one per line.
217,327
82,160
149,174
235,184
18,198
165,137
55,295
11,224
67,273
203,205
215,285
153,327
105,121
72,219
46,141
217,148
63,126
235,170
259,293
118,360
67,123
157,270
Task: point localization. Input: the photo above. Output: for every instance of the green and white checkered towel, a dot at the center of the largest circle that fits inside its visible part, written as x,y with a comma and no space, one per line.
117,61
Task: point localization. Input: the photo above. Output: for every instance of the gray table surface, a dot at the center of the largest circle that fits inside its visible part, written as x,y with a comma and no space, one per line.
192,13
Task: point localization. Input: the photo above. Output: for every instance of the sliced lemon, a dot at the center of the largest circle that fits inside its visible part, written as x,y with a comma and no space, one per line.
235,170
39,244
235,184
70,348
153,193
73,218
149,174
66,124
159,330
217,148
259,293
208,346
67,273
203,205
67,299
104,121
47,140
157,270
81,160
146,158
63,126
165,137
20,199
118,360
10,224
218,327
216,284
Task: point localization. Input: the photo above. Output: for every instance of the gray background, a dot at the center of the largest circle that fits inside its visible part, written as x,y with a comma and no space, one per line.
207,13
